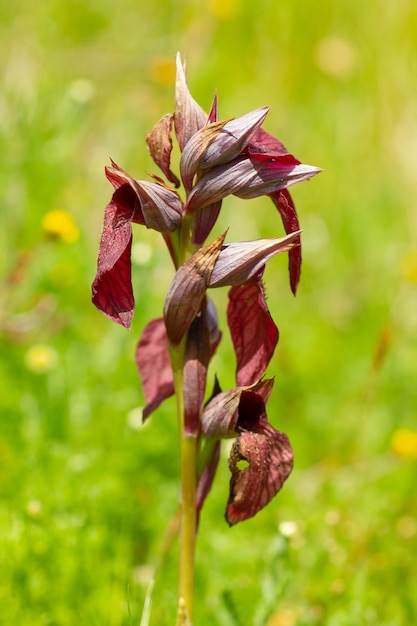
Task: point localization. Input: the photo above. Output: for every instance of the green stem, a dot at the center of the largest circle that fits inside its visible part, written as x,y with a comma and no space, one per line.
188,513
188,461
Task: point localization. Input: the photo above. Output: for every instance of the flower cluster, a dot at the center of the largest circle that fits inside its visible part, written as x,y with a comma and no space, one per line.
218,158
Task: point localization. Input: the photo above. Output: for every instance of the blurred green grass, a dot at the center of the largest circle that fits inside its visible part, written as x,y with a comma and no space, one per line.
85,493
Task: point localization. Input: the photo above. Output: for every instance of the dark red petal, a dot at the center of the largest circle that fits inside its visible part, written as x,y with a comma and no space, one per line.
197,357
160,146
264,143
188,289
154,365
112,286
270,460
286,208
228,412
204,221
253,331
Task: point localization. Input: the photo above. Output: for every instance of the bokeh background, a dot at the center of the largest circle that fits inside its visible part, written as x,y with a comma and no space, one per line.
86,492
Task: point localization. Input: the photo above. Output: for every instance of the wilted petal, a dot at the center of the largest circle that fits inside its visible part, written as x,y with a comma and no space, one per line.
188,289
225,410
270,460
189,117
286,208
218,143
238,262
160,146
154,365
253,331
161,206
112,286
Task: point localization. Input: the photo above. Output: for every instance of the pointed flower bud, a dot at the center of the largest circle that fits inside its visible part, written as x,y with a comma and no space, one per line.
188,289
238,262
189,117
247,178
218,143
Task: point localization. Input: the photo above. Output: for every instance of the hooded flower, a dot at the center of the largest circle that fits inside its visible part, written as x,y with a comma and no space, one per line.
266,452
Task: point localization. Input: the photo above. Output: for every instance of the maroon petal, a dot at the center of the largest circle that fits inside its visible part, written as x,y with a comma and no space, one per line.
286,208
154,365
204,221
269,457
253,331
238,262
197,357
189,117
188,289
225,413
112,286
160,146
262,143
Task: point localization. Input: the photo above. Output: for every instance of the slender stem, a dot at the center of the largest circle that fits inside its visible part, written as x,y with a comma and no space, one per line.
187,527
188,513
188,461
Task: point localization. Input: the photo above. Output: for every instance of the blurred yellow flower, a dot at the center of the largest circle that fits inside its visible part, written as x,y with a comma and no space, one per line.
41,358
283,617
60,225
335,56
409,266
163,70
224,9
404,443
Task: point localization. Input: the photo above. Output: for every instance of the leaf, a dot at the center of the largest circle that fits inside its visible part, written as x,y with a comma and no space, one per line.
154,365
253,331
269,457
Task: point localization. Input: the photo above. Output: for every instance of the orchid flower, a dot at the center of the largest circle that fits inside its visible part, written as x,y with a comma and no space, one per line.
219,158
